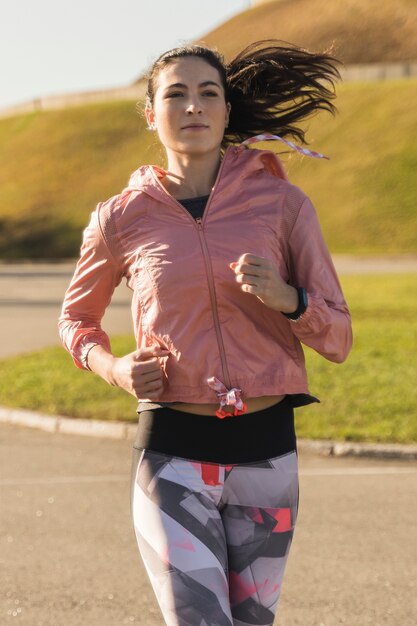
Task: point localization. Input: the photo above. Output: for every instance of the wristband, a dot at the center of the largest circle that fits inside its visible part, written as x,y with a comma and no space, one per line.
302,305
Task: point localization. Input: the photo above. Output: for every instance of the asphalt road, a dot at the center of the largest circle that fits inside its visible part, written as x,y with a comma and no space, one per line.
68,555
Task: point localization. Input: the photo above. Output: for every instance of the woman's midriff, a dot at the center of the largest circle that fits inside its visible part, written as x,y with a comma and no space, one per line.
252,405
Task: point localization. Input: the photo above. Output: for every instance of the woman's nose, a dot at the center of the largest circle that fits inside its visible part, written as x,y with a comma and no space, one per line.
194,106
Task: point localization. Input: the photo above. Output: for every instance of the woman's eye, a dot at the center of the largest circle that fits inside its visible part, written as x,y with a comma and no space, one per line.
210,93
174,94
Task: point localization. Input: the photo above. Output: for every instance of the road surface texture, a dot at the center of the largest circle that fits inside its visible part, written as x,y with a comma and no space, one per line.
68,554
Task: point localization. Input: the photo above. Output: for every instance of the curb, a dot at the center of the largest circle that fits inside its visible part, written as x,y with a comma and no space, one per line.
351,449
123,430
67,425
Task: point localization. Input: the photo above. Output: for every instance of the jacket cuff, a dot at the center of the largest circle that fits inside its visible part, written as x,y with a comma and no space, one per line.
311,318
80,354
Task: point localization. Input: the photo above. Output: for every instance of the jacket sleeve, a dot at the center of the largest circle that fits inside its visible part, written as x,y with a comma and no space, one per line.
326,325
96,275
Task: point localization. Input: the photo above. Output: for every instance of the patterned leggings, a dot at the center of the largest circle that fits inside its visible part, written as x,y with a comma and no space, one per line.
214,538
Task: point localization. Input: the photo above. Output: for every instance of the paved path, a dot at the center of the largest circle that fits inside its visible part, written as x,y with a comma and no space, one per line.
31,297
68,555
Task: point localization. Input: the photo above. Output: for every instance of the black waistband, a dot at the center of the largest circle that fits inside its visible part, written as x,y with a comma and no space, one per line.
239,439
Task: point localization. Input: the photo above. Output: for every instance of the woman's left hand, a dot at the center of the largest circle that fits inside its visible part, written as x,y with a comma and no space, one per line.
259,277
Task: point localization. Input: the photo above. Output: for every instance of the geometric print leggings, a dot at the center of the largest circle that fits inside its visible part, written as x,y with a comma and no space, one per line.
214,538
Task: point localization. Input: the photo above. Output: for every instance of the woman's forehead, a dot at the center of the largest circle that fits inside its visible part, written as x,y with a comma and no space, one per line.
186,69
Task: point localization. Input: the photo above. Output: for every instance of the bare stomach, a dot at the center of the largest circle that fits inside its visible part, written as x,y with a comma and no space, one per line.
252,405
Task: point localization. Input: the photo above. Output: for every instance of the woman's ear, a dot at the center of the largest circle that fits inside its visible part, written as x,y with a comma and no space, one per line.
150,118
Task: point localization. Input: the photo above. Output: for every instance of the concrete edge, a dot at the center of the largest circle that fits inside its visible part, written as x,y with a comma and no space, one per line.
67,425
124,430
355,449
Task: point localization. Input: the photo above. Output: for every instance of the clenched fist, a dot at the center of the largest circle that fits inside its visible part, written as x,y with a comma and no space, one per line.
140,372
259,277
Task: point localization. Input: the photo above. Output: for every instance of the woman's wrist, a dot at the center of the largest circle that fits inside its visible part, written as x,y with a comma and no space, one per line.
291,301
103,363
302,303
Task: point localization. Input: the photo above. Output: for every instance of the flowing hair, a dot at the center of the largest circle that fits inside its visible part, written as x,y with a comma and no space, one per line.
271,87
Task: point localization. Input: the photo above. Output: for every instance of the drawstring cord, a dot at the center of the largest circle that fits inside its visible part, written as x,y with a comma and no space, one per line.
300,149
227,397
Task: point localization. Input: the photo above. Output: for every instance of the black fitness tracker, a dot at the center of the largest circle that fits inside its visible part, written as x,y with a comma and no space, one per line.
302,305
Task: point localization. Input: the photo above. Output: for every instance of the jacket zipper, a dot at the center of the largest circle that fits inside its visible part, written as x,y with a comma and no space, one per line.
210,280
198,223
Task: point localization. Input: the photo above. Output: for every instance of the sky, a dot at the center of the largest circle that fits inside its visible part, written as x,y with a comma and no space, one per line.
52,47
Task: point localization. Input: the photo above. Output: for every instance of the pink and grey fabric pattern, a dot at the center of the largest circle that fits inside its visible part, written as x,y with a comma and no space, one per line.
215,538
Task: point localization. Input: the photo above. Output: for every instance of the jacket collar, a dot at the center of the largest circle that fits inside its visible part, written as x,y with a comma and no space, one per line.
238,162
241,162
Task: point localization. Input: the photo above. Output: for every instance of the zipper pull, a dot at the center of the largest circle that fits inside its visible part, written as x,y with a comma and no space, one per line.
199,222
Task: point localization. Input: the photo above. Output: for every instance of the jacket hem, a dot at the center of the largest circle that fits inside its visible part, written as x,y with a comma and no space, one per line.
201,395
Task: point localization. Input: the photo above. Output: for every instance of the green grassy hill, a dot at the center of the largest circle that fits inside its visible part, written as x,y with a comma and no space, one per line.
367,194
56,165
361,31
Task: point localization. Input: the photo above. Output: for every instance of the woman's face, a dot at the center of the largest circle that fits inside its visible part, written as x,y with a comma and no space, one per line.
189,109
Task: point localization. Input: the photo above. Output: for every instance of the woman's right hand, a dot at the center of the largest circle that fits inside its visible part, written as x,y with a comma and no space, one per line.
140,372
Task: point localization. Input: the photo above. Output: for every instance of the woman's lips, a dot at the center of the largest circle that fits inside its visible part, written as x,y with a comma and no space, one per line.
195,127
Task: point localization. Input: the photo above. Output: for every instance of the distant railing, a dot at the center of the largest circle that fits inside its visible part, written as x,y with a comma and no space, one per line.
379,71
350,73
132,92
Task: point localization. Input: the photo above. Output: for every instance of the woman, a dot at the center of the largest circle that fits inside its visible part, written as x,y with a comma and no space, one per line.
229,273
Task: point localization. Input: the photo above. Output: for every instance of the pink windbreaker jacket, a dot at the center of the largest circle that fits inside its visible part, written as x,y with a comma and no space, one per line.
185,296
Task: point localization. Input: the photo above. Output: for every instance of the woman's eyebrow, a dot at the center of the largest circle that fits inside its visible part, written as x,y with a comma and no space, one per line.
209,82
203,84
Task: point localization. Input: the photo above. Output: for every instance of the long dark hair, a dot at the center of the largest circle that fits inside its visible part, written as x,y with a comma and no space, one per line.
271,87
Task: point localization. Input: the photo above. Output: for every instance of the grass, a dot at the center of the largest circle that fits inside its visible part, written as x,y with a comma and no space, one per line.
56,165
367,193
54,168
357,31
370,397
47,381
